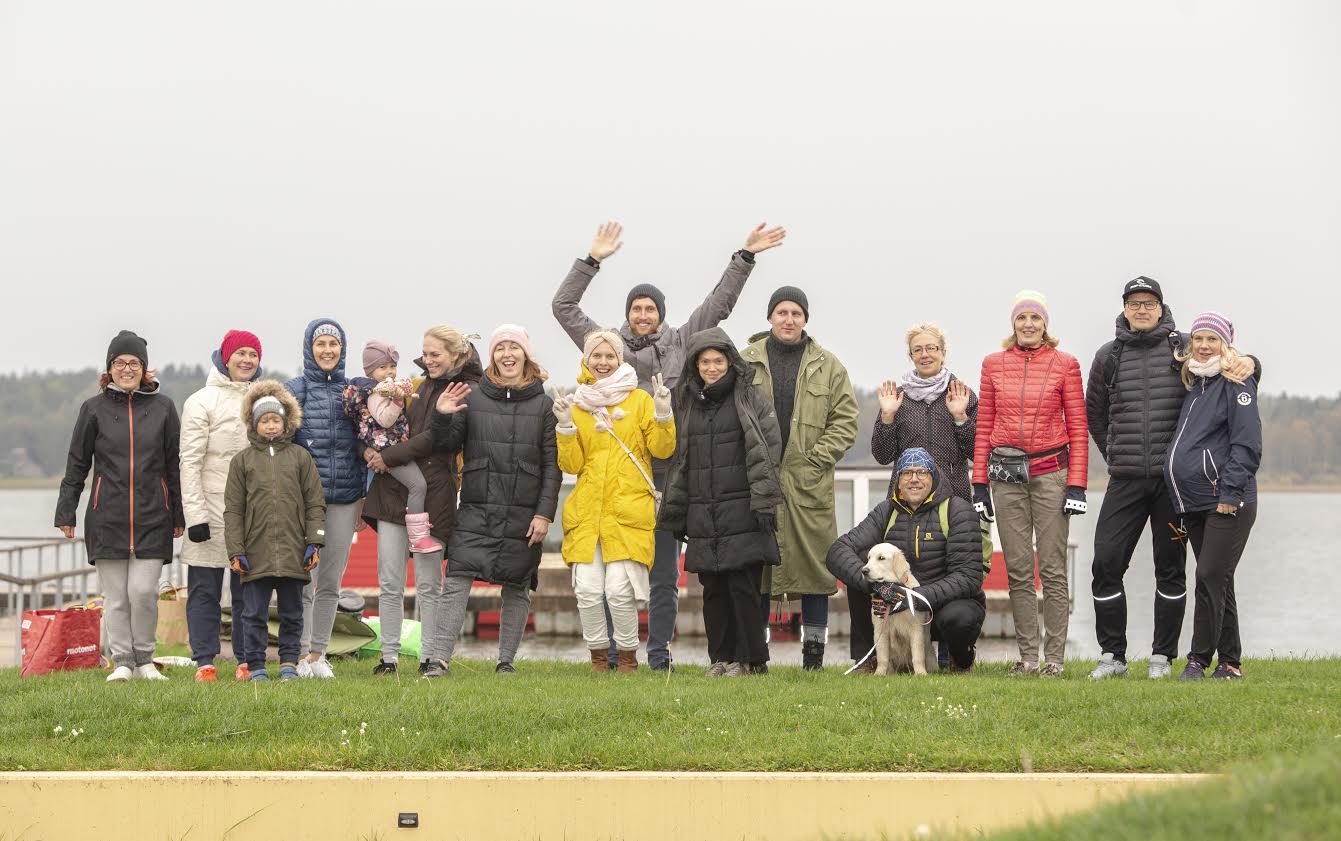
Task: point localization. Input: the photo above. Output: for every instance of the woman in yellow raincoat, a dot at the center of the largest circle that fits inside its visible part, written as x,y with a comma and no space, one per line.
608,432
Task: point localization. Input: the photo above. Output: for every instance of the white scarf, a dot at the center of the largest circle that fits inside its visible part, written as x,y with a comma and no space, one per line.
926,390
1209,368
611,391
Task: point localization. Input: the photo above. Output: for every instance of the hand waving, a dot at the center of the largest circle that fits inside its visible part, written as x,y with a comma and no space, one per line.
762,239
607,241
957,400
891,398
449,402
661,396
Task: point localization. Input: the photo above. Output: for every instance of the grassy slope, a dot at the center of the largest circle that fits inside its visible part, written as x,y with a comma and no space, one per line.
558,716
1283,799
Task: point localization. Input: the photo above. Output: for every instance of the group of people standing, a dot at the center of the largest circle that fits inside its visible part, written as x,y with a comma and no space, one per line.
677,438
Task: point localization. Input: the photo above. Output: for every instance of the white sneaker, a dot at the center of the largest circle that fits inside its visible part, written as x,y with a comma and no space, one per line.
1108,667
119,675
304,667
322,668
1159,667
149,672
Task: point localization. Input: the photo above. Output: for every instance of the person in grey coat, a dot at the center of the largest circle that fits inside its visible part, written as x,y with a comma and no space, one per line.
652,346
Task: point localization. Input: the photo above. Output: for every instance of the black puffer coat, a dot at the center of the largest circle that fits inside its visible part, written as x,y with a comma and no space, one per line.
387,498
947,568
510,474
1134,397
724,474
131,443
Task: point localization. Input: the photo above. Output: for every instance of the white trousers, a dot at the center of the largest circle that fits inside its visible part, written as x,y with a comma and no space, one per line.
621,584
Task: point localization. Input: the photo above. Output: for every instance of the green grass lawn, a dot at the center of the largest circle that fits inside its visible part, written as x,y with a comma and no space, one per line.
558,716
1281,799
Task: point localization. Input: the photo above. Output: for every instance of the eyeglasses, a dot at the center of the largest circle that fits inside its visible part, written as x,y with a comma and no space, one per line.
921,349
917,473
119,365
1148,306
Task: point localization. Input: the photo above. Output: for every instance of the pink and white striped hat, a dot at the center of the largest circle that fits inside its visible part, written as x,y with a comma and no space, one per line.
1218,323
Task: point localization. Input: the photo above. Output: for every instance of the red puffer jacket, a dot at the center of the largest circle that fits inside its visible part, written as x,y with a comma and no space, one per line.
1034,400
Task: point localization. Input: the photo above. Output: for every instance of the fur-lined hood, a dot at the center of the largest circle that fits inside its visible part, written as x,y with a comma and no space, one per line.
293,413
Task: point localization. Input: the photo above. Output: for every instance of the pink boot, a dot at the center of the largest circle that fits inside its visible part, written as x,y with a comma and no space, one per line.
416,528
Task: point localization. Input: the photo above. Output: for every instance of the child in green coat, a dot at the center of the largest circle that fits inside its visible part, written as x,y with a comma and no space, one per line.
274,524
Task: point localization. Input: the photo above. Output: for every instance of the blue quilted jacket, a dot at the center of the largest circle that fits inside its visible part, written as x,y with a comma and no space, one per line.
327,433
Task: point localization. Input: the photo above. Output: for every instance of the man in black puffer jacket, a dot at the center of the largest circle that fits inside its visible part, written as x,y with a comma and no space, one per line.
948,567
1132,402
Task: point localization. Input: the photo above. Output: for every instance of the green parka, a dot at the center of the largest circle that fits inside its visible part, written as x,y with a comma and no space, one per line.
823,429
273,503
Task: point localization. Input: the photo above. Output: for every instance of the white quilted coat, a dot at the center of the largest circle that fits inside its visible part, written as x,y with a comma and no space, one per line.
212,433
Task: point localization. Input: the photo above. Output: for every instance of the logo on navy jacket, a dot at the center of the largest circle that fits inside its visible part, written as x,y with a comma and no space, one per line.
1245,399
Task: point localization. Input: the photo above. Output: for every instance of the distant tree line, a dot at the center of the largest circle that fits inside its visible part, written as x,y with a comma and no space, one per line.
37,410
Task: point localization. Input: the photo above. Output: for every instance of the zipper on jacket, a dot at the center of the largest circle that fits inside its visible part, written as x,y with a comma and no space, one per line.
1205,456
1173,451
1023,381
130,415
97,487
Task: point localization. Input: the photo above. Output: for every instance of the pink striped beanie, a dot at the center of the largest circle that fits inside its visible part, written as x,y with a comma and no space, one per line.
1218,323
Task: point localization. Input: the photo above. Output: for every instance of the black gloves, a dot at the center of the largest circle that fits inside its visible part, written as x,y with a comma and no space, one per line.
1075,501
199,533
982,503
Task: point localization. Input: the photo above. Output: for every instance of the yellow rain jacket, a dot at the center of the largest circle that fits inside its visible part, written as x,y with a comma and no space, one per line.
612,502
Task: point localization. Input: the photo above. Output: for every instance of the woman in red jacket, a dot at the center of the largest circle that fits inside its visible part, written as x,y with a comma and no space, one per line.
1031,445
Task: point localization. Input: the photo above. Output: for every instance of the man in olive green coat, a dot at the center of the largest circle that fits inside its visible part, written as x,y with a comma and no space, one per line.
274,524
817,412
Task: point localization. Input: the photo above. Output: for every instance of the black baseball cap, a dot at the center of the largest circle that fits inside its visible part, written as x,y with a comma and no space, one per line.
1143,284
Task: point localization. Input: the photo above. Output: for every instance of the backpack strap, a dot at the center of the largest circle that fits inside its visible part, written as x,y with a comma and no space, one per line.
943,509
1111,365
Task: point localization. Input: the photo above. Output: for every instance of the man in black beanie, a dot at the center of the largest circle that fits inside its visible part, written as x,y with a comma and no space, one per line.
652,347
817,412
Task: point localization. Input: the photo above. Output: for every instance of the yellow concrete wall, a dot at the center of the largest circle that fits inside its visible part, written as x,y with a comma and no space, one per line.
290,806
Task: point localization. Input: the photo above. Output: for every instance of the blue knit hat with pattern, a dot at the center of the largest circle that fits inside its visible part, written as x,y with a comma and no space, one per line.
914,457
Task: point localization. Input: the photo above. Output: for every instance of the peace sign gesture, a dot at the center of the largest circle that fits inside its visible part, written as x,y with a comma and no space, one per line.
661,396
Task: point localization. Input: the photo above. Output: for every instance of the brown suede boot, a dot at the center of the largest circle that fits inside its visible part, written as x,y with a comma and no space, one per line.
628,661
600,659
867,668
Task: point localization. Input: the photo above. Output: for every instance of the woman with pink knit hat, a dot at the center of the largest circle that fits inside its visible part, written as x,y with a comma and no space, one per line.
1211,471
509,488
1032,446
212,433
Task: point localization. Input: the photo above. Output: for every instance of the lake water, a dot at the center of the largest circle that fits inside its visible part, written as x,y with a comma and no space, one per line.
1292,552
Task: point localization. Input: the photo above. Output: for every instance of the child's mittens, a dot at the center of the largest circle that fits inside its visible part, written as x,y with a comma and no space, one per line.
311,557
240,564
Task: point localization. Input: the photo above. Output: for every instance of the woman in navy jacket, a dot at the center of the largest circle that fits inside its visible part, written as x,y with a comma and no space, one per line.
329,435
1212,474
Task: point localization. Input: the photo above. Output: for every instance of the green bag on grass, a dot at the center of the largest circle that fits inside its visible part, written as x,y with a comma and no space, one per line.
411,638
349,634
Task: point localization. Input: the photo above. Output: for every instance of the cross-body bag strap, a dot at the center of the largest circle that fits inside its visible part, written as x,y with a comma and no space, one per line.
656,494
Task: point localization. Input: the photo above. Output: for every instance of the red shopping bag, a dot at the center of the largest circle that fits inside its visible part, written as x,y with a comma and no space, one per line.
56,640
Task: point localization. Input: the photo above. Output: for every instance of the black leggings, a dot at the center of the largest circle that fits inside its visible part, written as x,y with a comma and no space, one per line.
1217,541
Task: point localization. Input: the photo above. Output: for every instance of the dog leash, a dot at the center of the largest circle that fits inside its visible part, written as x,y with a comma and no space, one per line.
909,595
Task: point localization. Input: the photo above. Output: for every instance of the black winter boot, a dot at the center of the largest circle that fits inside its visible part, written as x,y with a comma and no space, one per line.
812,655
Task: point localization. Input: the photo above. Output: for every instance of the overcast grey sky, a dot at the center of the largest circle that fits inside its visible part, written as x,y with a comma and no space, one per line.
183,168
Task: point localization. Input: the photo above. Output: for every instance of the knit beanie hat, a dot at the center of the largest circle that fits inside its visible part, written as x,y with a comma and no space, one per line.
127,342
595,337
1029,300
789,293
235,339
915,457
327,329
643,290
511,333
265,406
1217,323
1142,284
377,353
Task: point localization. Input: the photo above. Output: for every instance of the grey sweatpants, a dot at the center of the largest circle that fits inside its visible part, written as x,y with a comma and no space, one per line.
511,621
393,555
322,594
130,608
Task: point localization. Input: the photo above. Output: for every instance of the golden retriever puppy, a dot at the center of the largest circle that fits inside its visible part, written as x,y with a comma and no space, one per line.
900,644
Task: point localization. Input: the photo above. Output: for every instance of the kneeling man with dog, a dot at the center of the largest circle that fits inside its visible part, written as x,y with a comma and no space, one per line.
938,535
